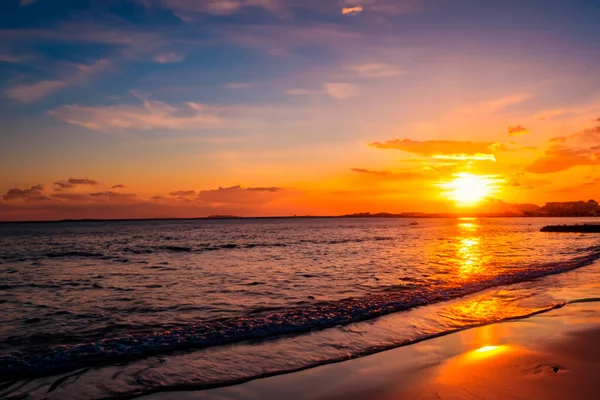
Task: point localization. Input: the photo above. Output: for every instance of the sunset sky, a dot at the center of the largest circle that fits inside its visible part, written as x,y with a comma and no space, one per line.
188,108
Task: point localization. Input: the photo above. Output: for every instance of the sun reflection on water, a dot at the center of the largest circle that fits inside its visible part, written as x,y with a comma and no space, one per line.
469,251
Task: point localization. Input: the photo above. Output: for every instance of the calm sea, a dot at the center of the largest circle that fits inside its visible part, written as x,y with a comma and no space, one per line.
106,309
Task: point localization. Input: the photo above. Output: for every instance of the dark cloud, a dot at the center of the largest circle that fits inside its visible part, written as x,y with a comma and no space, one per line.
113,195
83,181
60,185
263,189
239,194
73,182
34,193
183,193
517,130
119,186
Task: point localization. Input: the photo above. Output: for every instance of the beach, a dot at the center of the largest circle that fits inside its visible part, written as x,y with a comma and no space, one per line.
554,355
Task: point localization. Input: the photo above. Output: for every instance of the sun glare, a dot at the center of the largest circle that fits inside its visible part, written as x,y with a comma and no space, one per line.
468,190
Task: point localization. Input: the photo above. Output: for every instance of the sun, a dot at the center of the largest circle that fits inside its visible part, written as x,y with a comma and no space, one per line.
467,189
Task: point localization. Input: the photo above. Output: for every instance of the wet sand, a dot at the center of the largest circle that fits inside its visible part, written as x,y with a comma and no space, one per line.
555,355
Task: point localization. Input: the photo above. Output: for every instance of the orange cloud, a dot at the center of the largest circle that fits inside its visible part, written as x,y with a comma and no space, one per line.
444,149
517,130
389,174
559,139
466,157
366,171
352,10
561,158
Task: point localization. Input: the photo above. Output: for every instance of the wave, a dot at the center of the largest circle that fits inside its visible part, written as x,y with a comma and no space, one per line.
198,248
264,324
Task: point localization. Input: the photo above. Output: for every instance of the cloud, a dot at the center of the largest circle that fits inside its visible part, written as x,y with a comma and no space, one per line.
167,58
547,114
352,10
561,158
444,149
588,135
83,181
118,186
579,149
10,58
239,194
375,70
300,92
34,91
494,105
238,85
391,175
34,193
71,196
366,171
183,193
577,188
559,139
151,115
583,111
113,195
184,8
73,182
340,90
517,130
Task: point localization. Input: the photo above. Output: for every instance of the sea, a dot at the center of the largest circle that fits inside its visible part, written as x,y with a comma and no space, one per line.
121,309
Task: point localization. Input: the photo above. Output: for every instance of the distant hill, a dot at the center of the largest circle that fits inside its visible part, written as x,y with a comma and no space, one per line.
590,208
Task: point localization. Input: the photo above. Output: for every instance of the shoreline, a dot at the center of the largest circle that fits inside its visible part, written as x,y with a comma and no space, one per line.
514,359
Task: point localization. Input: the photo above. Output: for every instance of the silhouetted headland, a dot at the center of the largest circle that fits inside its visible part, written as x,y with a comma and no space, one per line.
572,228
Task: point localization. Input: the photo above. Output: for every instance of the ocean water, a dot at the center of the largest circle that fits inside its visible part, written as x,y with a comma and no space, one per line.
121,309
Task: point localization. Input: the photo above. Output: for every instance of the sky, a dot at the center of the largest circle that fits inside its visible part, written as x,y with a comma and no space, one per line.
190,108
